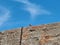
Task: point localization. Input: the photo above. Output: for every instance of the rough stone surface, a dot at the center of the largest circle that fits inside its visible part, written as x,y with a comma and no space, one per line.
48,34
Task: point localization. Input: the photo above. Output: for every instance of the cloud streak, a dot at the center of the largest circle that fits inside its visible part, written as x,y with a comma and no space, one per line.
33,9
4,16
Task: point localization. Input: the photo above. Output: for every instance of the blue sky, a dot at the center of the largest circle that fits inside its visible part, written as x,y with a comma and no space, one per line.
17,13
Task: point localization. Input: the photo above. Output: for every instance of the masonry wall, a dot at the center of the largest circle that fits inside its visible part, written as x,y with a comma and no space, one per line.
11,37
48,34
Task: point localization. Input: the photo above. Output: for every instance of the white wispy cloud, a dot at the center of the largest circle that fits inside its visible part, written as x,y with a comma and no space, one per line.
5,16
33,9
23,1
